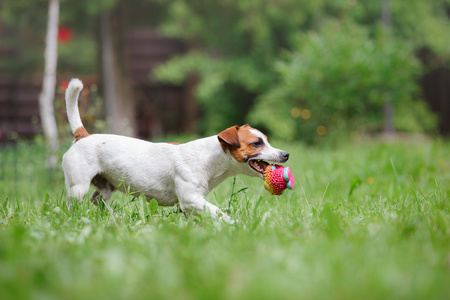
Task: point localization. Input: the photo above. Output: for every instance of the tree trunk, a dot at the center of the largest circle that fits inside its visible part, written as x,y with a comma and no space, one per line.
118,93
190,105
47,95
388,107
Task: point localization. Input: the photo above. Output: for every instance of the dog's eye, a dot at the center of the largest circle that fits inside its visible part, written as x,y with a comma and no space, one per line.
257,144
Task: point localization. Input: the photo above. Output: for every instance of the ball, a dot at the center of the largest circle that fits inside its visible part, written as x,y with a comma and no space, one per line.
278,178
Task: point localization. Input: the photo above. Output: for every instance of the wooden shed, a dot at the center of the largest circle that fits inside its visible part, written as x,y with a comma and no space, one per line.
19,109
161,108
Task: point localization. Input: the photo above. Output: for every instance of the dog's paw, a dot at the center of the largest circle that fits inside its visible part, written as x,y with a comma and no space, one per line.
227,219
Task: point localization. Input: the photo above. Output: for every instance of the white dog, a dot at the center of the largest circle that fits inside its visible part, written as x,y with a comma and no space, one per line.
169,172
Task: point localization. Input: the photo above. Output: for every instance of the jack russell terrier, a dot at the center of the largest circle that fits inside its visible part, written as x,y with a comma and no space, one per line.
169,172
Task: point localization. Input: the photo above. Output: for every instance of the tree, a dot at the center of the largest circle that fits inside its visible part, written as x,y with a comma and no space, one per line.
47,95
119,99
240,43
77,57
336,81
388,107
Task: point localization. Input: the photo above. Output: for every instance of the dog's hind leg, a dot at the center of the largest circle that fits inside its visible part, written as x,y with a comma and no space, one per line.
77,191
78,173
98,195
95,196
104,190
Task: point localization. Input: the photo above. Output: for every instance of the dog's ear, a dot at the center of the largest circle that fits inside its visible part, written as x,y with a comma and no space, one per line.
229,138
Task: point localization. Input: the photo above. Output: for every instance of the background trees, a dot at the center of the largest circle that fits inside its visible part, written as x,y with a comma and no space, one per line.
263,62
266,62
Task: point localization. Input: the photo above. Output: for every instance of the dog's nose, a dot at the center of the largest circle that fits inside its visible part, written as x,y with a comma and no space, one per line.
285,155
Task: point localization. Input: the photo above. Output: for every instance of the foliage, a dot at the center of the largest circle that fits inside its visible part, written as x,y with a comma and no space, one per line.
18,16
415,117
236,47
81,54
236,64
224,95
367,221
250,38
342,77
78,56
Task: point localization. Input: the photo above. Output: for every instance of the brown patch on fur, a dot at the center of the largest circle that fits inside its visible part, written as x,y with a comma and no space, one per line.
239,141
80,133
173,143
229,138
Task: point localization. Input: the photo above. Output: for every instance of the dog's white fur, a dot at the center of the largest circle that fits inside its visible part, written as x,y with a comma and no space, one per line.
183,173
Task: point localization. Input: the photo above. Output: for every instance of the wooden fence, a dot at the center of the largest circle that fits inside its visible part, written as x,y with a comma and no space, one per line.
164,108
436,90
19,109
161,108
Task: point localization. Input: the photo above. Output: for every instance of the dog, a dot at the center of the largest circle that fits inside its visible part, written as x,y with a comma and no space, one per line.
169,172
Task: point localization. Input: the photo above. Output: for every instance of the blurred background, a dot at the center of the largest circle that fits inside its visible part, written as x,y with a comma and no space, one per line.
301,70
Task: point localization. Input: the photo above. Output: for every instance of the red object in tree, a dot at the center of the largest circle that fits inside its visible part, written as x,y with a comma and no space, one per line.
65,34
64,84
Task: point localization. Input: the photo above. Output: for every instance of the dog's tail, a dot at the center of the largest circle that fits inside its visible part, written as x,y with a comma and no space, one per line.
73,114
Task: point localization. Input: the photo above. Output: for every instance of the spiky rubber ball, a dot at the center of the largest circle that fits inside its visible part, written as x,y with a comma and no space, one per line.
278,178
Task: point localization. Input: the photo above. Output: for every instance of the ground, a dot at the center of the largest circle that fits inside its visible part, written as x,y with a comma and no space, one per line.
367,220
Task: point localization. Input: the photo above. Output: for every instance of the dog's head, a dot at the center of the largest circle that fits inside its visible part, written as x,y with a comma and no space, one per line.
248,145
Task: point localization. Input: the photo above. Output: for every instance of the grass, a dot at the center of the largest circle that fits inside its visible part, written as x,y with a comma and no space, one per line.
369,220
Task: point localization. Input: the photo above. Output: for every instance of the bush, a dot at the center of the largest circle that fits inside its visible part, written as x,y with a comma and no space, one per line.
227,87
337,80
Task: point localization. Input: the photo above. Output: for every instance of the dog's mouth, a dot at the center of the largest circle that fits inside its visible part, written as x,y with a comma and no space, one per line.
258,165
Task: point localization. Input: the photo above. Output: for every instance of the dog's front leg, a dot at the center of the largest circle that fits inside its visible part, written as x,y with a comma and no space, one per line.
191,201
189,206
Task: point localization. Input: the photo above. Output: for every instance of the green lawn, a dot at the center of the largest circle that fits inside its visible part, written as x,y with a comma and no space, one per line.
369,220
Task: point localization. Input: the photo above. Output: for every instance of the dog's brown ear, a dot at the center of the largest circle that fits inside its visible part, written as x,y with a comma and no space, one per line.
229,138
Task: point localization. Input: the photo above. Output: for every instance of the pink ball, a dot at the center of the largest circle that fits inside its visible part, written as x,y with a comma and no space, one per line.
277,178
